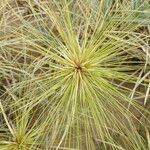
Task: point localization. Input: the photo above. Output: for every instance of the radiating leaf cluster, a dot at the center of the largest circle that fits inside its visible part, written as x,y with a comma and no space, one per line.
74,75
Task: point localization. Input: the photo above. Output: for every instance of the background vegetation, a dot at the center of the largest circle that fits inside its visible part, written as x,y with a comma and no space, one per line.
74,74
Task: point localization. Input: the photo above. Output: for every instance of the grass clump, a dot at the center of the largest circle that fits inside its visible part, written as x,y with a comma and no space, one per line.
71,76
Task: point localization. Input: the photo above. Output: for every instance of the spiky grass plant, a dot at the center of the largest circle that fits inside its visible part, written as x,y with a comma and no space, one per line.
68,70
